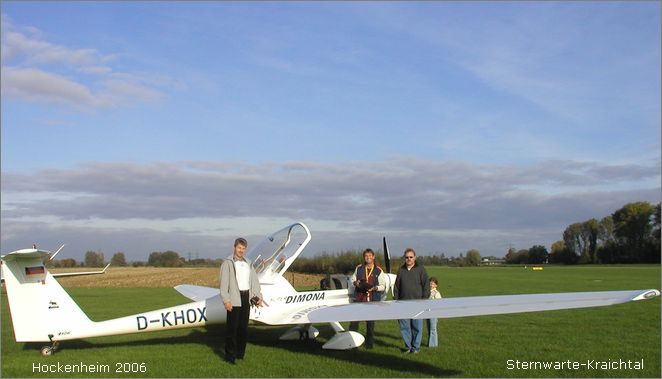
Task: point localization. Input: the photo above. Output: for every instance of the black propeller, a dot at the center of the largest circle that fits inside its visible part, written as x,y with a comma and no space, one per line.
387,257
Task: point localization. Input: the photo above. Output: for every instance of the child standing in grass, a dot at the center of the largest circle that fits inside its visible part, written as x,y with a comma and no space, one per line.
432,323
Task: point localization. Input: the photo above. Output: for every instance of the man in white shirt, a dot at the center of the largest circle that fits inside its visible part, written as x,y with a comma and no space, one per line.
239,285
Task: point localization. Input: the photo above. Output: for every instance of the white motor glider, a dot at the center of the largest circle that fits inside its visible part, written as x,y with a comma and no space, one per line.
41,311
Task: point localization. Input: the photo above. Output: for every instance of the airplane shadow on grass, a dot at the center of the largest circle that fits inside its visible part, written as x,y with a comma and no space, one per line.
204,335
399,362
214,337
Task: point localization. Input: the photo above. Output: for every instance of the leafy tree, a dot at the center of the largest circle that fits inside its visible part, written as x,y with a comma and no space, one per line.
561,254
461,260
656,222
431,260
67,262
347,260
558,246
590,231
572,238
94,259
118,259
165,259
538,254
511,255
343,262
61,263
656,228
172,259
155,259
633,227
610,252
557,251
473,257
606,230
581,238
517,257
632,223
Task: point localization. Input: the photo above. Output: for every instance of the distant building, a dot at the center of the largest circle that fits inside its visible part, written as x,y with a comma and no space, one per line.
492,261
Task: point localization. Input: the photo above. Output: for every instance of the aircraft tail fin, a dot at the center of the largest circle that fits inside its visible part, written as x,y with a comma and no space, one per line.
41,310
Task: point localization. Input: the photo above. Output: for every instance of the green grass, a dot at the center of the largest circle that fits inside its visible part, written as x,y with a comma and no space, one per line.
469,347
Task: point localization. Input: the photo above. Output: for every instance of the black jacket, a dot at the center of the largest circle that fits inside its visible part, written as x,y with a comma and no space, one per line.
412,283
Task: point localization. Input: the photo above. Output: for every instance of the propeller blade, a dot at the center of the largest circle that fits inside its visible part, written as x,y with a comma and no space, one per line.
387,257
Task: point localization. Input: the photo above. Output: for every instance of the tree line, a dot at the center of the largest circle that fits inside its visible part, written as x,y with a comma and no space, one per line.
345,262
629,235
156,259
342,262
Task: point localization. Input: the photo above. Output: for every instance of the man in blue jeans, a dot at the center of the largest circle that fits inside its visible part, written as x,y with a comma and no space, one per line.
411,283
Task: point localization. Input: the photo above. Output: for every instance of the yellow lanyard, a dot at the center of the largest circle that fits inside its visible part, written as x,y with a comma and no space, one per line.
368,273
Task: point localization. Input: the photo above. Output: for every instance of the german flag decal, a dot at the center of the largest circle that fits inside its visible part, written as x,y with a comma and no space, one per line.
35,270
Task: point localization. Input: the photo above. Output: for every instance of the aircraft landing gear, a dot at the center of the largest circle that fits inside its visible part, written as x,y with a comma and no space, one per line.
301,333
49,350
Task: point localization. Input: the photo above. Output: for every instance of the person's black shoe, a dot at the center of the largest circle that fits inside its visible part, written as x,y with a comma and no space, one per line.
229,360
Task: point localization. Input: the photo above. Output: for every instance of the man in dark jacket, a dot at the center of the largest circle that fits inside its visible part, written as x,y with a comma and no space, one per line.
412,283
370,283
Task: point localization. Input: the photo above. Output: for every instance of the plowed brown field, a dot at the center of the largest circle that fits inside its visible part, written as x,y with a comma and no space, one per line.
132,277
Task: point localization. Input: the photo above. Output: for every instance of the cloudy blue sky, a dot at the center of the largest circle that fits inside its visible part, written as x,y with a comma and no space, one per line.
146,126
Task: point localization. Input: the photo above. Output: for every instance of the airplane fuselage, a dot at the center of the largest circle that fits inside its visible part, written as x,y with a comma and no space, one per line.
295,305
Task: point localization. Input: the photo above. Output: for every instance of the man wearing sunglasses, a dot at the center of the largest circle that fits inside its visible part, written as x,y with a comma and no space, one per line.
411,283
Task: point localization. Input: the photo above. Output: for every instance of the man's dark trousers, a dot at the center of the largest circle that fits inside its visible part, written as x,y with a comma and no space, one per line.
236,329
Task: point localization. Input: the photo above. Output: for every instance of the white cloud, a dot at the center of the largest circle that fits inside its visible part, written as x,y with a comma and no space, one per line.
552,55
36,51
39,86
120,89
36,70
435,201
35,85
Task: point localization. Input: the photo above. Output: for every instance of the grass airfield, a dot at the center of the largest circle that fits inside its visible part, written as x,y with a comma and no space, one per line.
485,346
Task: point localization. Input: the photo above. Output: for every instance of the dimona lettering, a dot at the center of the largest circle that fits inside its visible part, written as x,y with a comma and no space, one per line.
305,297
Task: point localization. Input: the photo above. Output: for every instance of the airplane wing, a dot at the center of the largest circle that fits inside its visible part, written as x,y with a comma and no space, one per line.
466,306
197,293
61,274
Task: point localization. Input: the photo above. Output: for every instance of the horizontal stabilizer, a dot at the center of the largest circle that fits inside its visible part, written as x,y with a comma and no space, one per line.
79,273
197,293
26,254
474,306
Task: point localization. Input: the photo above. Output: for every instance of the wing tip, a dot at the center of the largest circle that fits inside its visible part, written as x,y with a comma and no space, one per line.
647,294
